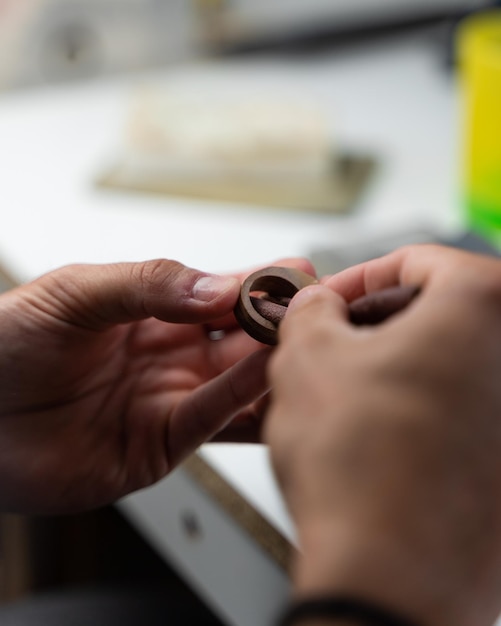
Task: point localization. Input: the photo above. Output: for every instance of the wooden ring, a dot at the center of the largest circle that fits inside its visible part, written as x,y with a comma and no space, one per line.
278,283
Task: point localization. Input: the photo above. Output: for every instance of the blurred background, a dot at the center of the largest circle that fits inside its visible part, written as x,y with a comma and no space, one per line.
55,40
328,127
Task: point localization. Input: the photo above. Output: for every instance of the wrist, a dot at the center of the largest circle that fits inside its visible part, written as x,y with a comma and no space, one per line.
379,568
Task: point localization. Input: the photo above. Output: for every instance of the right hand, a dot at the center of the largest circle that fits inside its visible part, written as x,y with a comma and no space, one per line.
386,440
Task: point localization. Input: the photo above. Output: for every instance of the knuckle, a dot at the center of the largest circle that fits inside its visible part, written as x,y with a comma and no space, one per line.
482,278
157,272
63,279
491,282
63,292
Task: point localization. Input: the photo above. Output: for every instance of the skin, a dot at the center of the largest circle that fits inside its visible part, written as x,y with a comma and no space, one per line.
386,440
109,378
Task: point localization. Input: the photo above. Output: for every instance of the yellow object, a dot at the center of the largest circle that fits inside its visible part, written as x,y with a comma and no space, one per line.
479,50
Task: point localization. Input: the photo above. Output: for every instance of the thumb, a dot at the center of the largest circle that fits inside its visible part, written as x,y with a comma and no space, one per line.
100,295
311,305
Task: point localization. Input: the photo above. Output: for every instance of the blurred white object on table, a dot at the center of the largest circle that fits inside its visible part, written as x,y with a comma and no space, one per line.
198,135
268,150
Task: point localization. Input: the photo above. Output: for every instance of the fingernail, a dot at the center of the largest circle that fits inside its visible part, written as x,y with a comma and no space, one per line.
211,287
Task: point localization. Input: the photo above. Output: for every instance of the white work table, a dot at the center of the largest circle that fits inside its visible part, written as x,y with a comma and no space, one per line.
395,101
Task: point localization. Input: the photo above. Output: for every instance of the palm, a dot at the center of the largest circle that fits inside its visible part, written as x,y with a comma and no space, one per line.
125,390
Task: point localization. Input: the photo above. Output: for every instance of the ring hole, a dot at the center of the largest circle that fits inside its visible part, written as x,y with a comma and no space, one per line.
258,294
270,297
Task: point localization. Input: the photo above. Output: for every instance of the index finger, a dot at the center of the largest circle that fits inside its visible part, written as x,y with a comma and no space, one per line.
408,266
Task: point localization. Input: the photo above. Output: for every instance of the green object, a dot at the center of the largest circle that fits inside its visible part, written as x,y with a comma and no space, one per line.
479,52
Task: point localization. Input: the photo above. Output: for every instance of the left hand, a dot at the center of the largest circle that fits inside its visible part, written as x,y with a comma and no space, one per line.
109,378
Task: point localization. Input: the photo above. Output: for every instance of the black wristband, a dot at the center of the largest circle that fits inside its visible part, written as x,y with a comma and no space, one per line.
342,608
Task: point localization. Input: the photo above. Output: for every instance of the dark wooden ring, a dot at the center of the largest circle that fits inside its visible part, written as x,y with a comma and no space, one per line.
278,283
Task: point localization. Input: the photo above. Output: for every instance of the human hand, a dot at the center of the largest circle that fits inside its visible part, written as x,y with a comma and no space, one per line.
386,440
109,378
